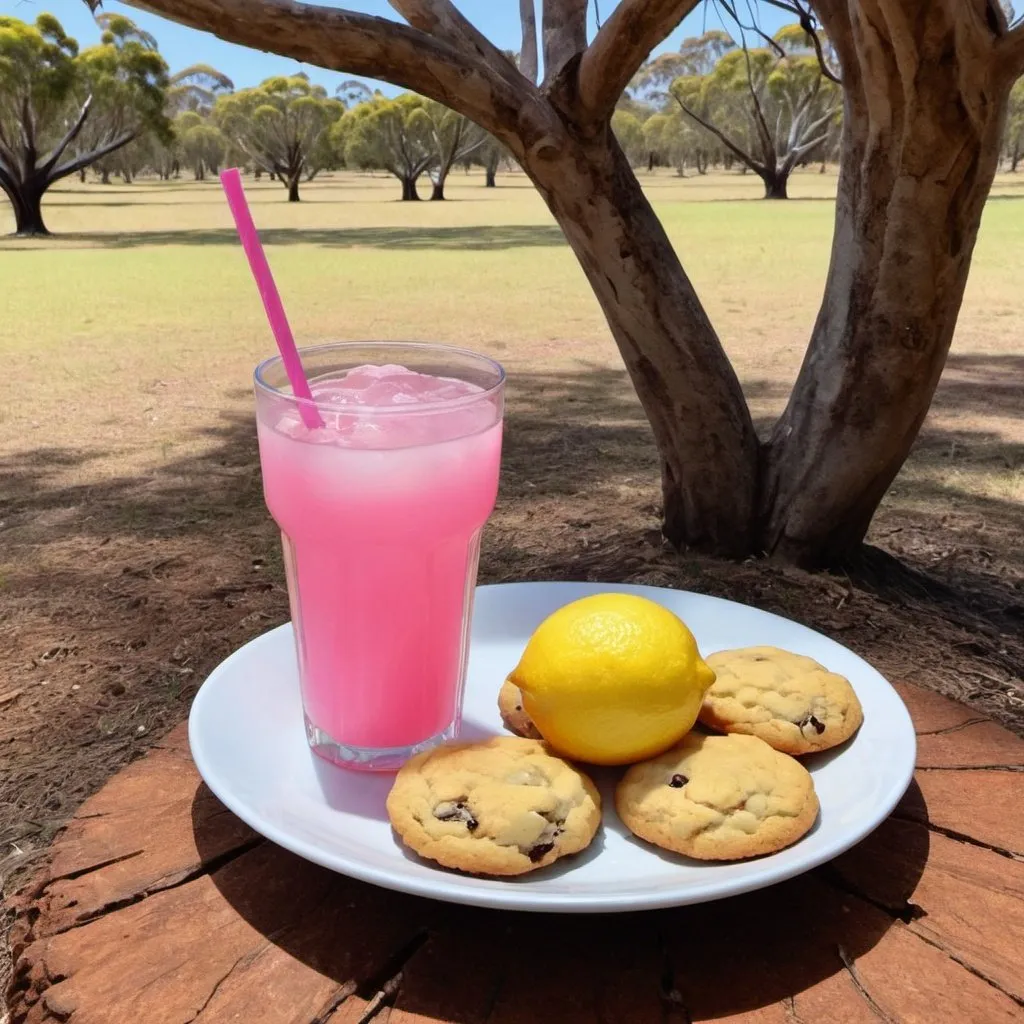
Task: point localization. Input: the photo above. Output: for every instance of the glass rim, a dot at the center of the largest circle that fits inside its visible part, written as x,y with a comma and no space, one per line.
406,410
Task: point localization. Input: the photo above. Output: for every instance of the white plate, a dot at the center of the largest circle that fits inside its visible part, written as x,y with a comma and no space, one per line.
248,743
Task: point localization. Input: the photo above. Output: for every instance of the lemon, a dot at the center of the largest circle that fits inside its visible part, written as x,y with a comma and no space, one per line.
612,679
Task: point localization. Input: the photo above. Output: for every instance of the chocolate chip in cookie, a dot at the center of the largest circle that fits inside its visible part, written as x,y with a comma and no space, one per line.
456,811
726,798
504,806
788,700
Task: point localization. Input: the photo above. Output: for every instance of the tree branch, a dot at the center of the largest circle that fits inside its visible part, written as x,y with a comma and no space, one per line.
625,41
7,154
806,18
7,182
27,126
725,140
91,157
50,161
799,152
564,25
1010,54
442,20
767,142
364,45
528,61
822,63
730,9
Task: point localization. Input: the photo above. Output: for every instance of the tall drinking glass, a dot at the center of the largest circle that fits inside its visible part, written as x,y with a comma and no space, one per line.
381,511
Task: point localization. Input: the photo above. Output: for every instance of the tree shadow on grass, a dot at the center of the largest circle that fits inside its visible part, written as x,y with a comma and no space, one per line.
579,435
569,434
579,470
579,498
475,237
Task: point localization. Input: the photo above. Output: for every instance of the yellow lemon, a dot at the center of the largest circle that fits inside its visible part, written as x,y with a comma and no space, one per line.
612,679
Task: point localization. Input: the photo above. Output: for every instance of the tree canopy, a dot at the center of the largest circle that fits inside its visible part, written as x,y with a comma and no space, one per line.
196,88
391,134
279,124
769,107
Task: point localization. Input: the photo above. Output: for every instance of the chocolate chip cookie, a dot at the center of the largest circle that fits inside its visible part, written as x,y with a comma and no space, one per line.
718,798
789,701
513,714
504,806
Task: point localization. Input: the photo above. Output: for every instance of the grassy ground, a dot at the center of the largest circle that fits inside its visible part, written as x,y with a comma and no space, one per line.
134,548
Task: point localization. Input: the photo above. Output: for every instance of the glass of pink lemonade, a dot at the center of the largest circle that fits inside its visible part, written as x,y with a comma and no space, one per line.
381,511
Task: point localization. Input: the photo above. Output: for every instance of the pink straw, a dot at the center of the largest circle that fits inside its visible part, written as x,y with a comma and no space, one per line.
231,181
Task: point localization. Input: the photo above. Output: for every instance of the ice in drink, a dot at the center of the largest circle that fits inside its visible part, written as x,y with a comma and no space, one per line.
381,512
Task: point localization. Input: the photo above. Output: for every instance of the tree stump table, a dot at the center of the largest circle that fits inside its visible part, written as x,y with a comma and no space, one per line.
158,906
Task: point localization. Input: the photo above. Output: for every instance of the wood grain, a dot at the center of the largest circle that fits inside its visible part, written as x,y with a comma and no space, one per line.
157,905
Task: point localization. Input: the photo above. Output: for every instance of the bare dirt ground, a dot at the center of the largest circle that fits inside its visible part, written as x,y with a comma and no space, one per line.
127,577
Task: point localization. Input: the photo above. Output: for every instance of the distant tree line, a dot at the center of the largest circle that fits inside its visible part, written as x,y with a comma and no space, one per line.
116,109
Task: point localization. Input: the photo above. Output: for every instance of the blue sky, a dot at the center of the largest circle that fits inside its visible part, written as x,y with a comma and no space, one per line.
183,46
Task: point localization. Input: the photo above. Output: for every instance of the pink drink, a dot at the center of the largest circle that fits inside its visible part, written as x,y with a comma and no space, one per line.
381,513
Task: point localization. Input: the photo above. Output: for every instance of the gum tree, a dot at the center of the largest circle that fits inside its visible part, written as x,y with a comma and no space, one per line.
925,89
196,89
278,125
201,144
453,138
770,108
62,111
391,134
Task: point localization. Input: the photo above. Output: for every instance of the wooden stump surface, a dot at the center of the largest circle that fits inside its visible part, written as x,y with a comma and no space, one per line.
158,906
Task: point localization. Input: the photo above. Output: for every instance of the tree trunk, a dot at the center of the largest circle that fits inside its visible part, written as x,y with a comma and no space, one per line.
1014,160
688,389
775,185
104,177
409,189
489,177
437,192
81,175
293,189
28,211
914,175
702,162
